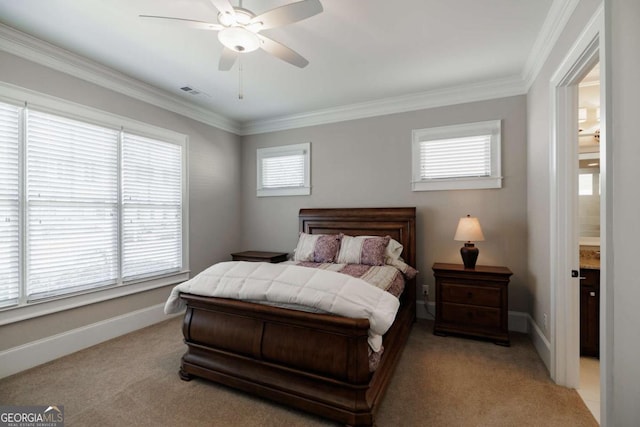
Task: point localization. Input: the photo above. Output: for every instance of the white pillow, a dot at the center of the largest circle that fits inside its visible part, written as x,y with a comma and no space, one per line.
394,249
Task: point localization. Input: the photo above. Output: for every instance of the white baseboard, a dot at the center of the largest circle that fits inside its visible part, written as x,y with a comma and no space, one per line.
540,342
518,321
35,353
421,310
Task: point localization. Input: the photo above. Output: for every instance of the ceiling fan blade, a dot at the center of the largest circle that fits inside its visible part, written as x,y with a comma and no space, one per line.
227,59
186,22
281,51
224,6
288,14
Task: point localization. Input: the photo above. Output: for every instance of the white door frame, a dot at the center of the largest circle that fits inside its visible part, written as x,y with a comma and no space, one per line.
564,254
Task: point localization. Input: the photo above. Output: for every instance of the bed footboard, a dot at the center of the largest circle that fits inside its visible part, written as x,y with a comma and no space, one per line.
315,362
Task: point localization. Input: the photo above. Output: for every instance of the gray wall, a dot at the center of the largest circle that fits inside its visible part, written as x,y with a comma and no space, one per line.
621,339
367,163
214,186
623,342
538,167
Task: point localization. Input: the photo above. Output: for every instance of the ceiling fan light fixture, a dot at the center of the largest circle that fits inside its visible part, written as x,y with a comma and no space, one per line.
239,39
239,29
241,17
254,27
226,19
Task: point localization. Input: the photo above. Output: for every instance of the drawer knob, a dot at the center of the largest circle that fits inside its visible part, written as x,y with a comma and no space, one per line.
593,294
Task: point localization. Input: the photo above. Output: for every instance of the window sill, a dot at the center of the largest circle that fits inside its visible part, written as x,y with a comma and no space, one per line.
42,308
298,191
458,184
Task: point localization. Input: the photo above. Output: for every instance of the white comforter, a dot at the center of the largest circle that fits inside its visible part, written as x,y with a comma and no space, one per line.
291,284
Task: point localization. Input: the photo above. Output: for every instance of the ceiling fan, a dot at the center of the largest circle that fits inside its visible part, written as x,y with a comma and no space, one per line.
239,29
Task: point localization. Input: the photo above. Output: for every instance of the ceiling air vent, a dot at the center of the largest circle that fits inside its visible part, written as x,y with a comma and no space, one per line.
192,91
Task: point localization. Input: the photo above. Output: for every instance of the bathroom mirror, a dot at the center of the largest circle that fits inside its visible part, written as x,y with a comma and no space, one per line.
589,198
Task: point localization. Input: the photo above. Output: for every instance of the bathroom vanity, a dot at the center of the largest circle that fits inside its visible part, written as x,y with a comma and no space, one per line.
590,302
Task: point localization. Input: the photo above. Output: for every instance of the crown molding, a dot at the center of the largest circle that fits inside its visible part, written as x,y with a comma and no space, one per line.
418,101
48,55
559,14
33,49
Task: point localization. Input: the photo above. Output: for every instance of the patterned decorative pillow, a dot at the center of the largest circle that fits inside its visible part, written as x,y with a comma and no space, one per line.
317,247
393,251
408,271
365,250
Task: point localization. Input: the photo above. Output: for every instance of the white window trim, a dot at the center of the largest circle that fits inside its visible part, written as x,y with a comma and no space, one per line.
66,302
492,127
261,153
20,96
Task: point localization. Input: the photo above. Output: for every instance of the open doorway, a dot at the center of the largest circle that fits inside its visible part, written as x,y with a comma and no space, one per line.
588,50
589,238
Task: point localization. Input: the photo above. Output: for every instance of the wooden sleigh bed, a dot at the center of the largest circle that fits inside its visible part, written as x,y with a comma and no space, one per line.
314,362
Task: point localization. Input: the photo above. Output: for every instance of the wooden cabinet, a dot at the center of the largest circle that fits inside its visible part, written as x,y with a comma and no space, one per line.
260,256
472,302
589,312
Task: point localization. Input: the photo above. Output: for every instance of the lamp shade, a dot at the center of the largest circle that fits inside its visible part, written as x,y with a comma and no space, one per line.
469,230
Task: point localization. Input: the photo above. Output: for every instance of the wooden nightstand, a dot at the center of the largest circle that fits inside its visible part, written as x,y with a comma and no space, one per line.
472,302
260,256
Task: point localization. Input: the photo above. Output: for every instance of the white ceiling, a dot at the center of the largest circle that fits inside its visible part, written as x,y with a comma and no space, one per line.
360,51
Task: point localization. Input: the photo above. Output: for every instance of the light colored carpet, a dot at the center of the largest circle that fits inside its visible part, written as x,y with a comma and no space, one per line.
440,381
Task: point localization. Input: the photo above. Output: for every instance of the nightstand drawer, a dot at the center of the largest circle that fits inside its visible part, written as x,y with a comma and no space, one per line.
471,315
468,294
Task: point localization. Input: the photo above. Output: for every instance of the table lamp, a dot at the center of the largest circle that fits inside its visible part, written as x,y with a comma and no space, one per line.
469,231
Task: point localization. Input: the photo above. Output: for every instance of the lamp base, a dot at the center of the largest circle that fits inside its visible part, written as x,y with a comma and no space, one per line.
469,255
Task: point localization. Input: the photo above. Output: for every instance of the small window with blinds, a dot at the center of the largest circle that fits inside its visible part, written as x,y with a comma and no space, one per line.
86,206
284,170
457,157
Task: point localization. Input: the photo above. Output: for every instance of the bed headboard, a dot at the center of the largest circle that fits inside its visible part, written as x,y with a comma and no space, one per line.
399,223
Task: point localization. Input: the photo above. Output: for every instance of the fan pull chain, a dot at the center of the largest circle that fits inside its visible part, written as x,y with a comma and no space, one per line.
240,88
240,82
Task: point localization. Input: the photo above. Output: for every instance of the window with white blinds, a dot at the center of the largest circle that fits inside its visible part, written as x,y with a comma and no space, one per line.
457,157
84,206
151,206
284,171
72,202
9,205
